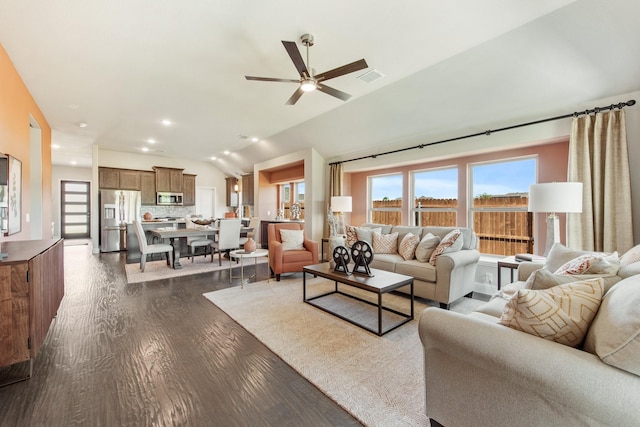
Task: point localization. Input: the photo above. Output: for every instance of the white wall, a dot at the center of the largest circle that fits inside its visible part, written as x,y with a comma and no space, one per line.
64,173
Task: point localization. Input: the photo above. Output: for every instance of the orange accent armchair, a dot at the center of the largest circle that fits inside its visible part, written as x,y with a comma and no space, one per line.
287,261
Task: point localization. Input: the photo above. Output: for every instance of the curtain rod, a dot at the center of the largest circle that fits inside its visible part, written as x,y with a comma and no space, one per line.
489,132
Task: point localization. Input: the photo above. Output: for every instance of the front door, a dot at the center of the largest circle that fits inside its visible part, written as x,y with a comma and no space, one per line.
75,206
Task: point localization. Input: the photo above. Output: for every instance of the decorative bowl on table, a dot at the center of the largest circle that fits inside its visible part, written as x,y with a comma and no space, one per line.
202,221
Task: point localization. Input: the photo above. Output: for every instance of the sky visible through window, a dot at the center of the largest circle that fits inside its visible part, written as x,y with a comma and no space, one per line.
491,178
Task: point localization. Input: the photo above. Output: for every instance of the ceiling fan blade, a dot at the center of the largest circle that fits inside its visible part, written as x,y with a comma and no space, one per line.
333,92
294,98
340,71
294,54
270,79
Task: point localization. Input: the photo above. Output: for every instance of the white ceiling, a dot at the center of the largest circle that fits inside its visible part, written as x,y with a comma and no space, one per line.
449,67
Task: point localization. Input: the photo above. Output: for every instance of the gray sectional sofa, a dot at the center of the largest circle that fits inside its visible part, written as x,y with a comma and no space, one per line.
479,372
451,278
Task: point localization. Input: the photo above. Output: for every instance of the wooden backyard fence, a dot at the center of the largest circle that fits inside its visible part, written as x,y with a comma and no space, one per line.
501,232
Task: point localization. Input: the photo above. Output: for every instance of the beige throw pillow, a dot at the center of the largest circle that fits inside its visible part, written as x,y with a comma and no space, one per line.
292,239
614,335
385,243
408,245
452,242
631,256
352,236
544,279
562,313
366,234
426,247
579,265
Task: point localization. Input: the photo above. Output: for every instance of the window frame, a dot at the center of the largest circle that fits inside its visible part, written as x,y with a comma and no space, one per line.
371,209
413,210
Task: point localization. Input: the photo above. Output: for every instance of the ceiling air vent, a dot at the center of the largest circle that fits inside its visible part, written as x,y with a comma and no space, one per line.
370,76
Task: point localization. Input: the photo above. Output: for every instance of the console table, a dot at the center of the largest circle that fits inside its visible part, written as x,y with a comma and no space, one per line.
31,289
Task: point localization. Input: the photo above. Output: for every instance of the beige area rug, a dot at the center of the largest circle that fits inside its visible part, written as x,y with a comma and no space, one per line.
155,270
379,380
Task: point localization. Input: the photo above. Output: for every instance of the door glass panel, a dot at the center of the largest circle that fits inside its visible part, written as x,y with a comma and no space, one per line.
75,187
75,218
75,208
76,229
75,198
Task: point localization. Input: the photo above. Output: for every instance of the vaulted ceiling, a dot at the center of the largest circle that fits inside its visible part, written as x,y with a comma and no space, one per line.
449,67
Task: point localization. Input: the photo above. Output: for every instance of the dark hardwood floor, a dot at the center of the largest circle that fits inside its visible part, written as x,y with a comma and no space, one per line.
156,354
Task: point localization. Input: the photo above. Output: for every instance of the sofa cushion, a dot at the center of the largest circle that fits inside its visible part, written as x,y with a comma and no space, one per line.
493,307
385,262
385,243
452,242
408,245
403,230
419,270
614,335
562,313
386,229
426,247
292,239
544,279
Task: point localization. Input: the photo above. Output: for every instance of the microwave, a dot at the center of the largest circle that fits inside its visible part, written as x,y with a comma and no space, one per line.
171,199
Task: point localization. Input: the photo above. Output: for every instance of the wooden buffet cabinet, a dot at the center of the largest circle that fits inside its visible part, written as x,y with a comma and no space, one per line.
31,289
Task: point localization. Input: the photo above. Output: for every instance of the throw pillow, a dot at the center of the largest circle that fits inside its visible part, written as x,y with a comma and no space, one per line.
560,255
608,264
352,237
614,335
426,247
408,246
366,234
385,243
579,265
452,242
562,313
544,279
292,239
631,256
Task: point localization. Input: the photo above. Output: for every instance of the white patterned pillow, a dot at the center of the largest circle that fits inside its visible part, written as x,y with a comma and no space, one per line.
426,247
292,239
631,256
352,236
385,243
579,265
452,242
562,313
408,245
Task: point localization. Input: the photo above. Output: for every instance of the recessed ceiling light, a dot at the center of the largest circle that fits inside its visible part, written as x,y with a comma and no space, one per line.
254,139
151,141
55,146
144,149
166,122
213,158
82,124
227,152
73,162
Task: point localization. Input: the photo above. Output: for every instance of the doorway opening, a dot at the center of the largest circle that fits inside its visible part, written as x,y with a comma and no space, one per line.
75,209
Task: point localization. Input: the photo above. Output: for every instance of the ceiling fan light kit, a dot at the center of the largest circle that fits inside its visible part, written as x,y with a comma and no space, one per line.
307,81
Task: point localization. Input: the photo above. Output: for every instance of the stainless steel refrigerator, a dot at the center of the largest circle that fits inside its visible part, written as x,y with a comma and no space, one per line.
117,209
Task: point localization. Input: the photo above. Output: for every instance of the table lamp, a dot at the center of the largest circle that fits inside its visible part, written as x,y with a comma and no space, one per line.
552,198
339,205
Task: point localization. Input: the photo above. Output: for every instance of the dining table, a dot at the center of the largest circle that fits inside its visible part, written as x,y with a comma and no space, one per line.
175,234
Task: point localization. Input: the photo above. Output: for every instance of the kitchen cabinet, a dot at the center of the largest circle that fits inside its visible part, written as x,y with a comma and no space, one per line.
168,180
247,189
31,289
232,194
148,188
188,190
109,178
129,180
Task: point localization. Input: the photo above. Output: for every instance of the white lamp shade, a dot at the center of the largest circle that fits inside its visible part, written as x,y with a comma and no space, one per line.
555,197
341,203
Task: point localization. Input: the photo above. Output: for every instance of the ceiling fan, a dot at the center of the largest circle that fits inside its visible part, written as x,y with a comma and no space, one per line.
308,81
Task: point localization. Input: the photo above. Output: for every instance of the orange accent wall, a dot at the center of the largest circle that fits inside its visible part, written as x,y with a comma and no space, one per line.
16,107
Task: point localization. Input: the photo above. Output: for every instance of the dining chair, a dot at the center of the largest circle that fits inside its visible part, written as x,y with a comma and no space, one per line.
254,223
228,237
194,242
147,249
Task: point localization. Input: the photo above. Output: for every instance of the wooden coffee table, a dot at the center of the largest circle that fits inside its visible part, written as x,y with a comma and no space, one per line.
381,283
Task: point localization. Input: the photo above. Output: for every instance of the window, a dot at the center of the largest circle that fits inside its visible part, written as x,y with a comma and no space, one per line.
435,197
498,214
290,193
300,192
385,205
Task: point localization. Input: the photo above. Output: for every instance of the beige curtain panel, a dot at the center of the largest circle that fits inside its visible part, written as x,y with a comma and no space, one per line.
598,158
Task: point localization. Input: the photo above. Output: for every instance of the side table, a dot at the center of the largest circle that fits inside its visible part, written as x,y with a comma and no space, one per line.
242,254
510,263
